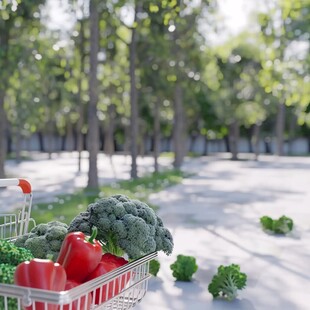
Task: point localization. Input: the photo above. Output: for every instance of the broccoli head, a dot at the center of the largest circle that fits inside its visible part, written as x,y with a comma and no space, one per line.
44,240
282,225
124,225
184,267
227,282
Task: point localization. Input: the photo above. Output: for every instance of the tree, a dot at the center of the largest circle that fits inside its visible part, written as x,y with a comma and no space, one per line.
93,128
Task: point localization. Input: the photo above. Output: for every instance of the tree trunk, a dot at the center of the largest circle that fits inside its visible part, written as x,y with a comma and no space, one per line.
109,131
234,139
280,125
2,134
205,148
93,129
133,99
255,140
156,134
178,128
80,103
4,52
292,132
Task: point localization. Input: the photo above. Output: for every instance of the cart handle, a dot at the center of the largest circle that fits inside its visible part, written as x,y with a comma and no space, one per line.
22,183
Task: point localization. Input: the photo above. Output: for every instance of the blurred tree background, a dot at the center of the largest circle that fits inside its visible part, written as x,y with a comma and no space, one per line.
128,76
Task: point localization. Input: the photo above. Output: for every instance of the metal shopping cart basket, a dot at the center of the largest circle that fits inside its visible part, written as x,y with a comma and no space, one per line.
120,289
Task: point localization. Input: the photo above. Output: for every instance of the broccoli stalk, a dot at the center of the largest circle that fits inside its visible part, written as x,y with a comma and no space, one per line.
227,282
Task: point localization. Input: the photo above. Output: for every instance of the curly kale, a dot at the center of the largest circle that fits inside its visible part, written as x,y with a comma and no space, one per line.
7,276
44,240
227,282
13,254
124,226
282,225
10,257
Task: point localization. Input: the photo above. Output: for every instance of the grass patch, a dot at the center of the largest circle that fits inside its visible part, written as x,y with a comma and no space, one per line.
64,208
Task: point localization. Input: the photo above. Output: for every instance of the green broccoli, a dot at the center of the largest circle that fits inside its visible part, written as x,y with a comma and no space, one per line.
283,225
154,267
7,277
12,254
227,282
184,268
124,226
44,240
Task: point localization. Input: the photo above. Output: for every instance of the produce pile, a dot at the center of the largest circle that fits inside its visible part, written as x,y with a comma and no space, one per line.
56,256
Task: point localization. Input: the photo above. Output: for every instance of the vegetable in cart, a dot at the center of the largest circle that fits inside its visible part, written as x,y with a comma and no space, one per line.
124,226
108,263
42,274
80,255
44,240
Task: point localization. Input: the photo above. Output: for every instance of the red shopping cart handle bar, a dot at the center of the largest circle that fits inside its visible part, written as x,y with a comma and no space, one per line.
22,183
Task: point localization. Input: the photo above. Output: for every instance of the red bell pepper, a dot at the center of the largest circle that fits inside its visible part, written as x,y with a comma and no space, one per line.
108,263
85,302
42,274
79,255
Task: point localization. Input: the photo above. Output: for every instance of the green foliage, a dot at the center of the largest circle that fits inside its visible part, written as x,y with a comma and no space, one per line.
227,282
13,254
7,277
124,226
184,267
282,225
44,240
154,267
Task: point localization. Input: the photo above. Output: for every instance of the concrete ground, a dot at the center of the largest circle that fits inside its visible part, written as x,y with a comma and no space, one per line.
213,216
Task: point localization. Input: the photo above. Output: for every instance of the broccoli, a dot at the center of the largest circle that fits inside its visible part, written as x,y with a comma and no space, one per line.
184,268
283,225
44,240
154,267
7,276
124,226
12,254
227,281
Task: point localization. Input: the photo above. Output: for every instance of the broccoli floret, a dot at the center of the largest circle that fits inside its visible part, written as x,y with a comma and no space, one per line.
44,240
227,282
12,254
154,267
184,267
124,225
283,225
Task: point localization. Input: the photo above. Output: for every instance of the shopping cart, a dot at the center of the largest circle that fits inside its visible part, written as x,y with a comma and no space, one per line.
120,289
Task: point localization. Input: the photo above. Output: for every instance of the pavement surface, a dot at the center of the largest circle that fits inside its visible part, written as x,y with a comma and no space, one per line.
213,216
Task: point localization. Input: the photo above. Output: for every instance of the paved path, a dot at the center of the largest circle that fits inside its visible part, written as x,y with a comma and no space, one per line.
214,216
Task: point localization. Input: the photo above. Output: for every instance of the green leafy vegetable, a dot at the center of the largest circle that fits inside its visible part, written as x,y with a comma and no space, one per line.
124,226
184,267
283,225
44,240
154,267
227,282
12,254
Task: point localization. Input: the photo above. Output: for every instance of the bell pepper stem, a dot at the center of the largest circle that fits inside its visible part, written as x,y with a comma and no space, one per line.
93,234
